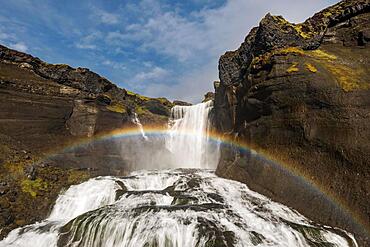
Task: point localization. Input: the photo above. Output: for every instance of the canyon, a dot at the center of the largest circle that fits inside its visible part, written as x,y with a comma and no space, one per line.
297,95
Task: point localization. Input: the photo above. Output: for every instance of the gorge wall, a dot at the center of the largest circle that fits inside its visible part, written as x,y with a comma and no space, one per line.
300,95
46,107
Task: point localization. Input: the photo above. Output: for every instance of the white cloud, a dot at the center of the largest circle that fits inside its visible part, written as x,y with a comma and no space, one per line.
190,87
19,46
104,16
153,74
88,41
4,36
114,65
200,39
85,46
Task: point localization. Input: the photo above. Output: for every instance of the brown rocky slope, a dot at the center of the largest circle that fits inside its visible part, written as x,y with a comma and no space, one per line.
300,95
44,107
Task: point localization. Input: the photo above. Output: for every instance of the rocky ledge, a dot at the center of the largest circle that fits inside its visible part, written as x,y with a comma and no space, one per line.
45,107
300,95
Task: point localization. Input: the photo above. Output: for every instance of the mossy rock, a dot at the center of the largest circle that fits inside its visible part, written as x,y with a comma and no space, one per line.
117,107
33,187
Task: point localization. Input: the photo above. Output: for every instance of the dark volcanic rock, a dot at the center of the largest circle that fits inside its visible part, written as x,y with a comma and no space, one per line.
156,107
183,103
300,94
209,96
45,108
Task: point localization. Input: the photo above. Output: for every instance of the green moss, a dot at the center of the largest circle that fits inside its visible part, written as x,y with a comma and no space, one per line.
293,68
130,93
141,97
33,187
266,58
310,67
348,78
164,101
61,65
304,34
15,169
299,28
77,176
116,107
327,14
320,54
140,110
292,49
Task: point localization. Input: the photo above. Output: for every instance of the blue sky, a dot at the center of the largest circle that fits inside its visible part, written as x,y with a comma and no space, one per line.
154,47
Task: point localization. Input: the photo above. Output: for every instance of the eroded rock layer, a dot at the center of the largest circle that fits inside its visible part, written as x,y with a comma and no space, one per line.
300,93
46,107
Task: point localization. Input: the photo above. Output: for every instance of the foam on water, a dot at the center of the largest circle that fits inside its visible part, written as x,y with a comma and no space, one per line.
179,208
174,207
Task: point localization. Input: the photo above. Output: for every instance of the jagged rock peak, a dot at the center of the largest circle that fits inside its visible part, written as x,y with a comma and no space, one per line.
275,32
79,78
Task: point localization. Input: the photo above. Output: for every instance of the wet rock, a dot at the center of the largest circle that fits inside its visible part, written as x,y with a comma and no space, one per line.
3,189
6,217
31,172
103,100
156,107
4,204
12,195
208,96
183,103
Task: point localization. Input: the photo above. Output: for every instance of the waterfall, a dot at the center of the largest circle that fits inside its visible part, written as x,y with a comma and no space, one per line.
188,138
136,121
172,208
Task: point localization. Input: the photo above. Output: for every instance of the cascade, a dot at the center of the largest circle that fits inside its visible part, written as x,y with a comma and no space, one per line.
184,206
188,137
136,121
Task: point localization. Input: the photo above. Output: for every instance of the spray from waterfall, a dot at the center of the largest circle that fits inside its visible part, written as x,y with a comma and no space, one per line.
186,144
172,208
187,137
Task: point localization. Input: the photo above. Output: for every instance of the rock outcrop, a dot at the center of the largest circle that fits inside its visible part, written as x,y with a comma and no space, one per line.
45,107
300,94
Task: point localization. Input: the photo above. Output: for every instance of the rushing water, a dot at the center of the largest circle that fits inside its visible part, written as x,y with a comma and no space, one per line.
174,207
187,137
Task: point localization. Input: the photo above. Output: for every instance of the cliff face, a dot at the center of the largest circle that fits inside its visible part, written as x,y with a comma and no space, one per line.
44,107
300,93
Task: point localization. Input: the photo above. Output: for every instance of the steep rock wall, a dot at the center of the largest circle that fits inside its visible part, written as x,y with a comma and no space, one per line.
300,94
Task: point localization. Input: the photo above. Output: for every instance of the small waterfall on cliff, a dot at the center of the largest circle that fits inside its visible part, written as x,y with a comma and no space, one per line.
136,121
174,207
188,137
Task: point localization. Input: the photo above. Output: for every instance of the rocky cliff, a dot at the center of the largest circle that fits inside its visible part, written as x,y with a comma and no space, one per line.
300,94
44,107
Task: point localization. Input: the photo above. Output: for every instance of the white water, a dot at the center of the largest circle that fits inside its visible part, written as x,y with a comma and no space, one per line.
181,208
188,139
136,121
174,208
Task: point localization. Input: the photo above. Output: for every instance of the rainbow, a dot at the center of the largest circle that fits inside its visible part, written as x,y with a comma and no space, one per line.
290,168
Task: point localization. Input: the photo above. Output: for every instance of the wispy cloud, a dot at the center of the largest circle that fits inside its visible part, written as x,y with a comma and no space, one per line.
19,46
114,65
4,36
153,74
169,48
104,16
197,40
88,41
